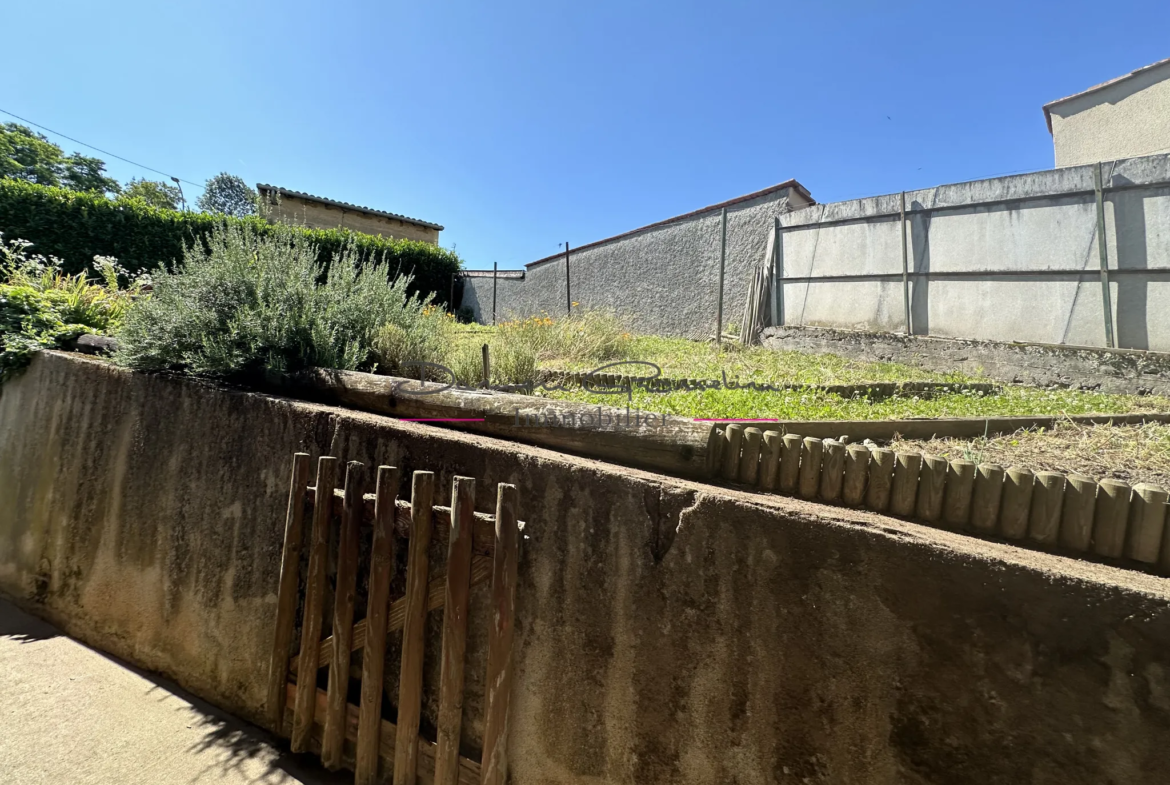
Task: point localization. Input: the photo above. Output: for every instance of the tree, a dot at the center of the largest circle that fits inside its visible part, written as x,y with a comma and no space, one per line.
83,173
154,193
227,194
27,155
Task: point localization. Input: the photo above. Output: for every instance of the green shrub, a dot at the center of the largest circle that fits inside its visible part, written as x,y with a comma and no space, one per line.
250,300
465,361
42,307
586,336
512,363
76,227
421,339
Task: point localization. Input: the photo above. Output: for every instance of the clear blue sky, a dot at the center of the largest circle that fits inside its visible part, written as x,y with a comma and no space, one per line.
519,126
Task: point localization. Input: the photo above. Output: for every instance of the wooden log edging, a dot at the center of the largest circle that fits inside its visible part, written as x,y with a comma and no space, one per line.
875,391
1074,515
949,427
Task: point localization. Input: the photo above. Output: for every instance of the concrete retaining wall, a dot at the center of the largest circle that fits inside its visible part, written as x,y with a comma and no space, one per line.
669,632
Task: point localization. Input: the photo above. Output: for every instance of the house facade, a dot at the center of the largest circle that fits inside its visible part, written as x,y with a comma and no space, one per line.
1125,117
316,212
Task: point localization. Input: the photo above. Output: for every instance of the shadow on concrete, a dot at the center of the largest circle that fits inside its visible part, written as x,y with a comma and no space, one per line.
242,741
1129,220
23,628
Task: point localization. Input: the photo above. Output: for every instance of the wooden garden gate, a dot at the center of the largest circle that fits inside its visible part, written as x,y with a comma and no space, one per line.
479,547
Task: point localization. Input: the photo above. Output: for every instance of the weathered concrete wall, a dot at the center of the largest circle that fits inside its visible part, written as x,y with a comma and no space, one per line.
1122,119
663,280
993,232
669,632
1119,371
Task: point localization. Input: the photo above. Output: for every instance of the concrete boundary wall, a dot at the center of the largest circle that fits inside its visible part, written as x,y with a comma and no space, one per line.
1007,259
663,279
669,631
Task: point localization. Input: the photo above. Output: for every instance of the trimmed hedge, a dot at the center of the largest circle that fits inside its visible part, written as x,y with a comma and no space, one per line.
75,227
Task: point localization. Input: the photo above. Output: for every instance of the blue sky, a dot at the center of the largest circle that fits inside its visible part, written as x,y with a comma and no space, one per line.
519,126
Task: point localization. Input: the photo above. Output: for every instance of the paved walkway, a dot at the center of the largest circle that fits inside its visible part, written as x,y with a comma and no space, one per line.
69,714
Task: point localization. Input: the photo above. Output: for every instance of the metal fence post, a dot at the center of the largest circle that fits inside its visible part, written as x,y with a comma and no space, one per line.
568,292
495,278
451,299
722,260
905,268
1103,253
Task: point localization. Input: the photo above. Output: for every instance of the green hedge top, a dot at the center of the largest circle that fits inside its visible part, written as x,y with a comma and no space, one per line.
76,226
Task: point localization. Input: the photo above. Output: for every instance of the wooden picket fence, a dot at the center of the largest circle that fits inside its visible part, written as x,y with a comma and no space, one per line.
479,548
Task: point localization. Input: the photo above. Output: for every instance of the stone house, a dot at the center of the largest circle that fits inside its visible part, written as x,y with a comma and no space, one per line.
316,212
1125,117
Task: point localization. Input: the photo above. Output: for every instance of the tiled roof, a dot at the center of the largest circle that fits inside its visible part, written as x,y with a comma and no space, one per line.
262,187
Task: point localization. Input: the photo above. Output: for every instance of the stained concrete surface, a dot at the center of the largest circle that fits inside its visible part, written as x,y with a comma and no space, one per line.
71,714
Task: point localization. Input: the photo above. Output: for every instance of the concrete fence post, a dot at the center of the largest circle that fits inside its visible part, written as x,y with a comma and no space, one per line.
777,276
495,279
1103,255
905,268
568,292
722,263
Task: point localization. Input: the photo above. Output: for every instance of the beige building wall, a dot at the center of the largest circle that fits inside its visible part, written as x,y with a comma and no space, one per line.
315,215
1127,118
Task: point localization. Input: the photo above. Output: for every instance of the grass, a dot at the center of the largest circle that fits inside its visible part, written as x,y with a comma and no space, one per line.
681,358
1132,453
804,405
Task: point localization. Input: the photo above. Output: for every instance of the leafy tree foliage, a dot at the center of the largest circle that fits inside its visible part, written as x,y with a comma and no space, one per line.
27,155
30,156
227,194
83,173
154,192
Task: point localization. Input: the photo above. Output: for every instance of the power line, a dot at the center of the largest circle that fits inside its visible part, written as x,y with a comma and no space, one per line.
103,152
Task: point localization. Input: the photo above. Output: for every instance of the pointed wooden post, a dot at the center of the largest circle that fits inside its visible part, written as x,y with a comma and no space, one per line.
306,697
505,561
450,719
413,631
374,657
286,597
333,740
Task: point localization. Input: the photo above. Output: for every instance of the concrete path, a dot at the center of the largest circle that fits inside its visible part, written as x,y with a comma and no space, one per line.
69,714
